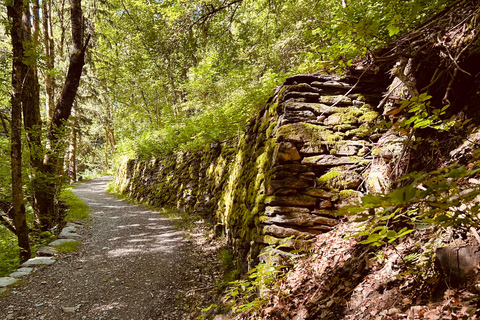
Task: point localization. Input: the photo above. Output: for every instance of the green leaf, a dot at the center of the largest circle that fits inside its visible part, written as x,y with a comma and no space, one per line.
393,30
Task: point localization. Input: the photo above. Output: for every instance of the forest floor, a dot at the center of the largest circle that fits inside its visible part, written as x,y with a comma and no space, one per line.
132,264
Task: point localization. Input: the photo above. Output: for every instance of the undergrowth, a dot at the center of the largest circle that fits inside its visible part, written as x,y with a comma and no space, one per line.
77,209
9,250
67,246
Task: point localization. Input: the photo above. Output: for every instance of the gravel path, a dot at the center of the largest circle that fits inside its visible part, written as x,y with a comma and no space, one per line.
132,264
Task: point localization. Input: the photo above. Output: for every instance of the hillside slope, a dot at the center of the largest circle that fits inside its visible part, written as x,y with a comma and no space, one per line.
405,276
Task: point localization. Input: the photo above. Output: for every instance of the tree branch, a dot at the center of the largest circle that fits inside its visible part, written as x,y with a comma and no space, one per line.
5,218
212,11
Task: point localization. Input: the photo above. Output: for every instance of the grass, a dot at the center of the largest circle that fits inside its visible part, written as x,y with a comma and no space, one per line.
77,209
92,174
67,246
9,250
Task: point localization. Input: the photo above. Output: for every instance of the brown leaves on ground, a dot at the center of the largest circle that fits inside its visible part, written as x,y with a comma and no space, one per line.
344,279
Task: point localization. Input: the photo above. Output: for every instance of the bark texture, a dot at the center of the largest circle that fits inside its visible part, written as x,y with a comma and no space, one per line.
18,209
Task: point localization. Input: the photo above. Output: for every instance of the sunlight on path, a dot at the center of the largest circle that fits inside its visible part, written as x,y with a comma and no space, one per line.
131,265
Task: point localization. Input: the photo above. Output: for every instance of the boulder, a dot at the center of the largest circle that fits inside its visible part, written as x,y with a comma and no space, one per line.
458,262
68,233
332,120
297,116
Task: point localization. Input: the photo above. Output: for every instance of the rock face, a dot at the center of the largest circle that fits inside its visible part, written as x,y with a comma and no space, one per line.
306,149
458,262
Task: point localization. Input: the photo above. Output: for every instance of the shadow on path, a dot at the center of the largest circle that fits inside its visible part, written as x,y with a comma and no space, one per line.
132,264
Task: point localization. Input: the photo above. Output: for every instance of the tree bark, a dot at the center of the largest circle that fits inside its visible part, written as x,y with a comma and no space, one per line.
48,47
62,112
32,121
72,151
14,12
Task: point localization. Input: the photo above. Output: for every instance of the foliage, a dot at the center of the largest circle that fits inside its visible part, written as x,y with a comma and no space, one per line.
429,198
5,173
436,198
420,114
184,74
9,252
249,293
77,209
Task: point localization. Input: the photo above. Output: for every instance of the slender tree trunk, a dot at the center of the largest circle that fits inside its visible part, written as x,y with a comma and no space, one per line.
72,152
15,14
62,112
32,121
48,46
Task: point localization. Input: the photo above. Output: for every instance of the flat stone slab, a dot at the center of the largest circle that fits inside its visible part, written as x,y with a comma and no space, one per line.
69,229
47,251
74,224
7,281
68,235
22,272
38,261
60,241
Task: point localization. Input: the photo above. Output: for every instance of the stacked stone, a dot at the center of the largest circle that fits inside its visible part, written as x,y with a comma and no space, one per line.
303,156
324,147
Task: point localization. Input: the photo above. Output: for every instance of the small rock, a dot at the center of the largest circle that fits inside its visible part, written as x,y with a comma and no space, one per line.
71,309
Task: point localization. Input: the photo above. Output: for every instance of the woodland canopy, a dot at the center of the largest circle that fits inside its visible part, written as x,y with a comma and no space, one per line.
160,76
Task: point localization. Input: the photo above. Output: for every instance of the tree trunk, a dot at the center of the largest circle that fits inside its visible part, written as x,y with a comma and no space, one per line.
72,152
62,112
48,46
32,123
15,14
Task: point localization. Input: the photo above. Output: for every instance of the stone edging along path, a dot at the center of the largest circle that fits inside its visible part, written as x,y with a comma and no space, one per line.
133,263
46,256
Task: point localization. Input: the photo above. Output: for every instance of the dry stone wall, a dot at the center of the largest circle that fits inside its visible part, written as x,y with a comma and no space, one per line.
303,156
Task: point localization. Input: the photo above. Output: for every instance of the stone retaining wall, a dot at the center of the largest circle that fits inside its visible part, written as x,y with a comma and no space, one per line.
305,155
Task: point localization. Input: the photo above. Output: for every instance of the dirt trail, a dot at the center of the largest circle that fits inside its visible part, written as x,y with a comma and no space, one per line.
132,264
